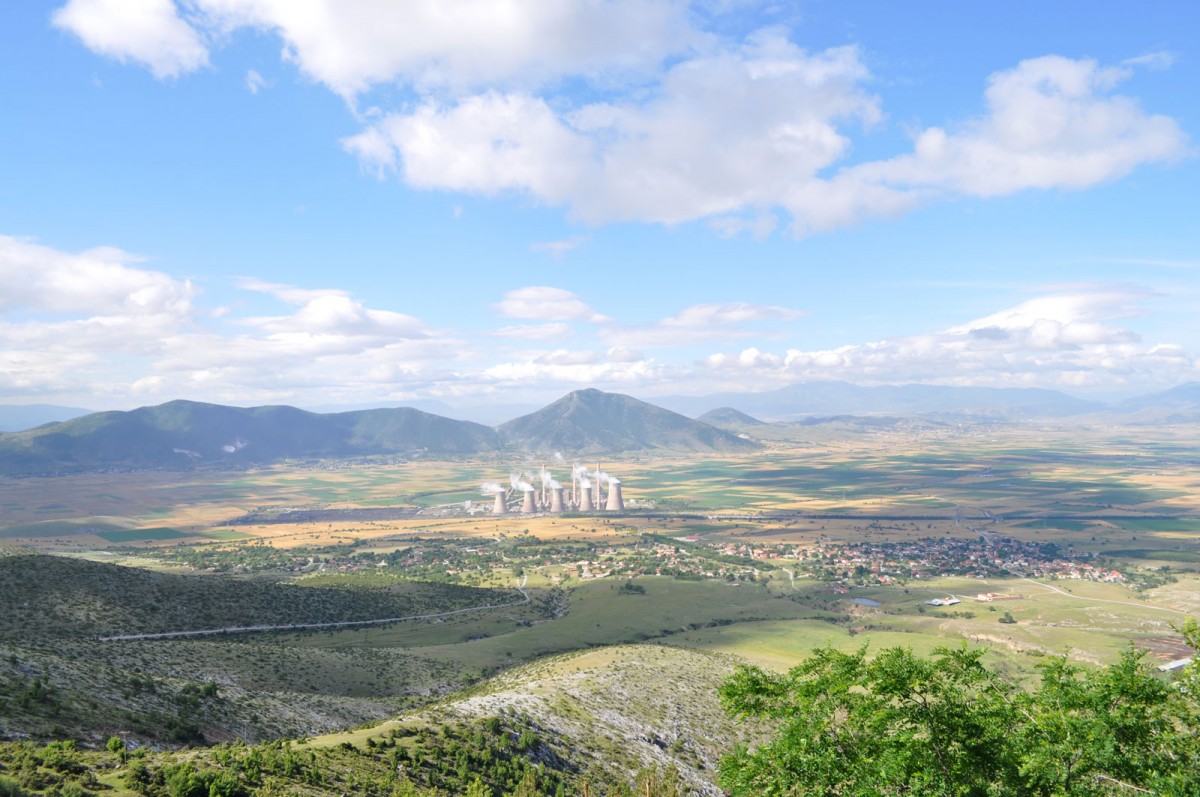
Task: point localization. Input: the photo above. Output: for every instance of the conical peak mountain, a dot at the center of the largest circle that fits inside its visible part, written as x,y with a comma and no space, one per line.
591,421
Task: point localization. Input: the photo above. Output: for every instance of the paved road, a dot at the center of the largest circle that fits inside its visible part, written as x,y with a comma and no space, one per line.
243,629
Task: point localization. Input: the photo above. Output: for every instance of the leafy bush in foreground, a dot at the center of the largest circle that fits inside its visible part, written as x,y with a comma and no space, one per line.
946,725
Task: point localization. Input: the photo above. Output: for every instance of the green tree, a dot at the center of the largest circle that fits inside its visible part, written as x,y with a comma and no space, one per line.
116,746
478,789
904,724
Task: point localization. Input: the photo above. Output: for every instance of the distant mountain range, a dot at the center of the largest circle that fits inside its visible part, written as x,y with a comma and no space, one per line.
18,417
1178,405
181,434
842,398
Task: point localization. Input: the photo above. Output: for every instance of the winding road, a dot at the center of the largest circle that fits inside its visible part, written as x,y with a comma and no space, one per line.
243,629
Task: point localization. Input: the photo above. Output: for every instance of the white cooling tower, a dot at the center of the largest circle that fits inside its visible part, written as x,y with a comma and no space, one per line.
585,499
527,505
499,508
615,504
556,499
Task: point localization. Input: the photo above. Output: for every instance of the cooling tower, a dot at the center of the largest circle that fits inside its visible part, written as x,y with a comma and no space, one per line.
585,500
499,508
527,505
556,499
615,504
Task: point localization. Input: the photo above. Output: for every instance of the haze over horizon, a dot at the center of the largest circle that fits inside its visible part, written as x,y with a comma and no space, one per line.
251,202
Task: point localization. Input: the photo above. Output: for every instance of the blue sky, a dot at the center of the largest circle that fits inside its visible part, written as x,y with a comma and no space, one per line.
369,202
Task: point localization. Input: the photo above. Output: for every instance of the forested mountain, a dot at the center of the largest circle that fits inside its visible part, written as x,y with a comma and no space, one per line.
591,421
188,433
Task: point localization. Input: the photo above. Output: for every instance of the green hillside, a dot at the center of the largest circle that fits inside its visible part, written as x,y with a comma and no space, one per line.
182,434
594,422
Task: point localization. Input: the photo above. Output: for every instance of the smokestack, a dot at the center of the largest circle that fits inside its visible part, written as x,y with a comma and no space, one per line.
556,499
585,499
499,508
615,504
527,505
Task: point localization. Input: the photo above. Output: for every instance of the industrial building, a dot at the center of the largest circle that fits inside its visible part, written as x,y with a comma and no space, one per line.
590,491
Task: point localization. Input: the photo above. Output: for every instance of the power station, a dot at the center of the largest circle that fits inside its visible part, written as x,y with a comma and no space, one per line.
588,493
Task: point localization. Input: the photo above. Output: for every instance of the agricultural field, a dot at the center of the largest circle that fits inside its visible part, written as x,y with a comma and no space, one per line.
1092,539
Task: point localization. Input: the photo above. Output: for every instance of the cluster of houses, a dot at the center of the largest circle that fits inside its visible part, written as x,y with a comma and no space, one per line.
874,563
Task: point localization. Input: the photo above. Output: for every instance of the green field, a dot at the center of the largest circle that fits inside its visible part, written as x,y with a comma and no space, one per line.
141,535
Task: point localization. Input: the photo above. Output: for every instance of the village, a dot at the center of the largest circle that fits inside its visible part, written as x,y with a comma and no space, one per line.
840,565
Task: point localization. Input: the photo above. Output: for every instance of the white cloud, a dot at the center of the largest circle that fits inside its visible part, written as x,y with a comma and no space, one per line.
66,317
256,82
729,313
568,357
680,124
698,323
551,331
94,325
1156,60
1051,123
721,133
333,314
557,249
352,45
149,32
622,354
1065,338
98,281
545,303
548,375
484,144
735,135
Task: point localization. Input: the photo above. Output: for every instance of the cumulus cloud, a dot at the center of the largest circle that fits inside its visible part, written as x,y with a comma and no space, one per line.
1051,123
738,135
351,45
96,324
64,316
721,133
149,32
1068,337
544,303
672,123
98,281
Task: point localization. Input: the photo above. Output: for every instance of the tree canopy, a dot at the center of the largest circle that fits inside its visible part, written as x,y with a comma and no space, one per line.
902,724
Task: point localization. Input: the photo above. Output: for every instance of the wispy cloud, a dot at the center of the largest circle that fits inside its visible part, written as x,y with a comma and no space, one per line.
256,82
557,249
